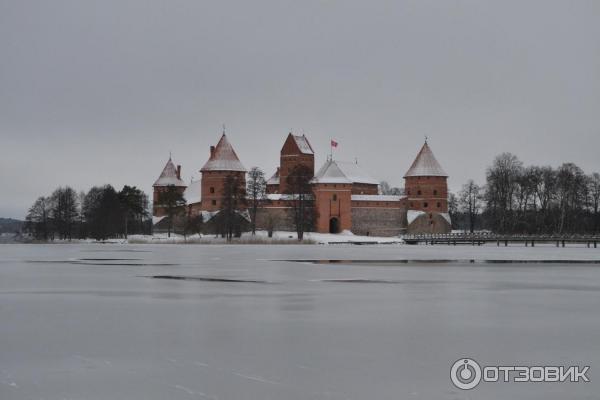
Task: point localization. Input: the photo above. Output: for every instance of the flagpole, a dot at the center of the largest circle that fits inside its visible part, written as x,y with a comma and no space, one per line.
330,149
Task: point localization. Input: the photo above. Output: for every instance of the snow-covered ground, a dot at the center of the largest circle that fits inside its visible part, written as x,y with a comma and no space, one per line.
108,321
262,237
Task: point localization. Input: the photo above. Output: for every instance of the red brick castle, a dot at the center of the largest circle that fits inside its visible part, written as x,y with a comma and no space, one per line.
346,198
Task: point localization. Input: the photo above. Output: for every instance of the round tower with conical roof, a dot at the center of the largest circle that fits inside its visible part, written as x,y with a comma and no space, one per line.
222,162
426,185
170,176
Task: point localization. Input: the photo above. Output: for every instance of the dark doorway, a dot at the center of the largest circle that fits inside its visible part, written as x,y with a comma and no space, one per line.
334,225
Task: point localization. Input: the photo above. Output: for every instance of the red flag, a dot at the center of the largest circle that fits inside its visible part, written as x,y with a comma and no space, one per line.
334,143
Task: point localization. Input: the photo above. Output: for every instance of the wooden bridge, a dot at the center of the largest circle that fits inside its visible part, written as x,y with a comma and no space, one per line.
477,239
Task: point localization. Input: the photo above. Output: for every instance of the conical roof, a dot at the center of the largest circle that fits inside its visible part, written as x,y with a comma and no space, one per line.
425,164
223,158
168,176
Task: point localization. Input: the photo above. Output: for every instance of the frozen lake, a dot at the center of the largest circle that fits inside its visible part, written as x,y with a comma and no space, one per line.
110,322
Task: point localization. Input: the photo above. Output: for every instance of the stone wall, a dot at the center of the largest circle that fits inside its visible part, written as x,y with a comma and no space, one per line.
378,221
429,223
279,217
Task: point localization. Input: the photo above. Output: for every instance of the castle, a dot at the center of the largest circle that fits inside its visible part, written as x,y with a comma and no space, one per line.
346,198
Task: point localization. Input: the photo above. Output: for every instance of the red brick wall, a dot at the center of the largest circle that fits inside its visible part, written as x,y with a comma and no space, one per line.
427,193
157,210
333,201
212,187
290,157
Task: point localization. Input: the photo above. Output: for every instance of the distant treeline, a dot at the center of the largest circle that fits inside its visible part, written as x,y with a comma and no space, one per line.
529,199
9,225
101,213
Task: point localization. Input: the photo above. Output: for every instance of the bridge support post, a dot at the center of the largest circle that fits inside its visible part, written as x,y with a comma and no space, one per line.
588,244
557,243
526,243
595,244
506,243
533,243
563,243
498,243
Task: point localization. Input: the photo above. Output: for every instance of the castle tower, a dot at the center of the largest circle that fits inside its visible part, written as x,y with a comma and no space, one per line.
426,184
333,187
223,162
296,151
170,176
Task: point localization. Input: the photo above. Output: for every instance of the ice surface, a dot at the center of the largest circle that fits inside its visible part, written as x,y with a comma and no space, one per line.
88,321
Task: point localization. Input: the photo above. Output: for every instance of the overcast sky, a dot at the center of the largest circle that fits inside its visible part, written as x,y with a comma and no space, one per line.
95,92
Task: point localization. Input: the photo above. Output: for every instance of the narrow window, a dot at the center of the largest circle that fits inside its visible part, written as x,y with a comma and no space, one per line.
214,202
435,192
212,189
418,192
425,205
439,205
335,197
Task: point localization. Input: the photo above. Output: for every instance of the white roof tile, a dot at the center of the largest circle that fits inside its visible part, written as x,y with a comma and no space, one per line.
376,197
168,176
342,172
303,144
223,158
193,193
425,164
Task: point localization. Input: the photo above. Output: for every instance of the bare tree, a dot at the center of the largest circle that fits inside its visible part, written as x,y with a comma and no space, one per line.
301,198
594,192
64,211
469,200
173,203
502,180
453,209
385,188
133,206
38,221
233,201
256,192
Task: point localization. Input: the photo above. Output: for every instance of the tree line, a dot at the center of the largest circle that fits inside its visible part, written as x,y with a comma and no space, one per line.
529,199
101,213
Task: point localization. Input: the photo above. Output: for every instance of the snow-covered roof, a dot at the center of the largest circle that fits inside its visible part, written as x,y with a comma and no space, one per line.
168,176
223,158
284,196
376,197
303,144
446,216
342,172
425,164
274,180
208,215
156,220
411,215
193,192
